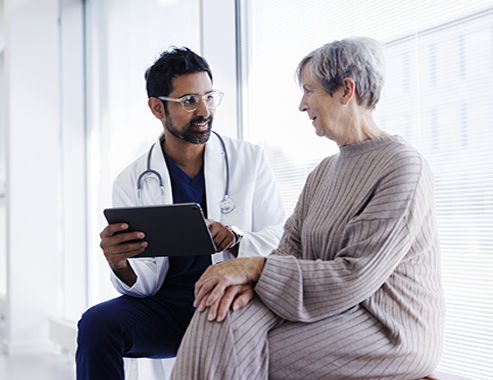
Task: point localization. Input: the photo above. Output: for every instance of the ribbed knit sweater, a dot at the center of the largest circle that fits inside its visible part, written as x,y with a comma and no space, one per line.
363,237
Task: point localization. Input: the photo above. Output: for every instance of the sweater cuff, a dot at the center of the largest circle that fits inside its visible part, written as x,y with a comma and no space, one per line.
275,280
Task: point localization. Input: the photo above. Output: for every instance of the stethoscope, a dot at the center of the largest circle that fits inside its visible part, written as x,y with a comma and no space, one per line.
227,204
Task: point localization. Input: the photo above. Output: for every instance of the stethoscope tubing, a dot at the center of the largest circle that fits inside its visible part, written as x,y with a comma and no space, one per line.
227,204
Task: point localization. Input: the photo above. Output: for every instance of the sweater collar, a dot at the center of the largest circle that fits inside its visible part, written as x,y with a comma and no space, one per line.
370,145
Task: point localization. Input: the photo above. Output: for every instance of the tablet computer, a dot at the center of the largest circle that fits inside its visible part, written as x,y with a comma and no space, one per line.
171,230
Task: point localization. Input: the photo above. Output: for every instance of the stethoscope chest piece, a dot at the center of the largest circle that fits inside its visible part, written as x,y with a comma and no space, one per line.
227,204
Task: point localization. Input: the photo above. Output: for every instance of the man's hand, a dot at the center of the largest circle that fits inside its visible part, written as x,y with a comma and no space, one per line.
223,237
227,283
117,251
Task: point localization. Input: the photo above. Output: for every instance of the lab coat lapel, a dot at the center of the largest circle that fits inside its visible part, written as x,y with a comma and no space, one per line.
215,177
153,195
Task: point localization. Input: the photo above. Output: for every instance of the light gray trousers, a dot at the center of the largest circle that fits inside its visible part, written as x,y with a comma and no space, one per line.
255,344
236,348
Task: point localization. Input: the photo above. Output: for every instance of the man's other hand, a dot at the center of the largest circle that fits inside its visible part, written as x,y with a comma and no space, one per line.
118,246
223,237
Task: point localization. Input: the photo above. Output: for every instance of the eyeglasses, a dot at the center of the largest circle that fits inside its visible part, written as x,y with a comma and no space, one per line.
191,102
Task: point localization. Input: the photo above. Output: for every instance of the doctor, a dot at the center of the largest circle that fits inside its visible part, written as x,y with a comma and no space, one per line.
232,183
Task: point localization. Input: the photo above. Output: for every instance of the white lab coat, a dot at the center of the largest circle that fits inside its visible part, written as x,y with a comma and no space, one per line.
259,211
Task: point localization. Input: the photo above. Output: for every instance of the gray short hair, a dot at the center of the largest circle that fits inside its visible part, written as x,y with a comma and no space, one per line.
358,58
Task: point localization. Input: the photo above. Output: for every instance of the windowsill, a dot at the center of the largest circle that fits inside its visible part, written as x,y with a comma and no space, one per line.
439,375
64,333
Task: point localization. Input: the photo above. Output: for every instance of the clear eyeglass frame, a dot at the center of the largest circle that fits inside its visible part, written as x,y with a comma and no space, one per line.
191,102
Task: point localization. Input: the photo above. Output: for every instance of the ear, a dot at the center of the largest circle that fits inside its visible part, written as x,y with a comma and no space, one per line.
157,107
349,90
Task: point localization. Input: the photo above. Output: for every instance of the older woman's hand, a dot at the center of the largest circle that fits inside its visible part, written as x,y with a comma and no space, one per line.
227,282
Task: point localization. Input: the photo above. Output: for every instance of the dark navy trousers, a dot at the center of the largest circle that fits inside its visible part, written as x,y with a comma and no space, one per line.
131,327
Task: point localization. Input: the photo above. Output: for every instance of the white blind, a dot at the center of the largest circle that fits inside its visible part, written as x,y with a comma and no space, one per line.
438,95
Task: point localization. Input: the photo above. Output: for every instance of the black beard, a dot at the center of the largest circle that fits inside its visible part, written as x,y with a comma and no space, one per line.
189,134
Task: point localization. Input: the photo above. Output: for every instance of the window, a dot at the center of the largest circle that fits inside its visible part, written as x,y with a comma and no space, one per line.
124,37
438,96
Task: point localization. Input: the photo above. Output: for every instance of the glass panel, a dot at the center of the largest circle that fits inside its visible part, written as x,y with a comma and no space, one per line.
124,38
437,71
438,96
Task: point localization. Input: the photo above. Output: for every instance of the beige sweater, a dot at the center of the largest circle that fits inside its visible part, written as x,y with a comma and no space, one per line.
363,239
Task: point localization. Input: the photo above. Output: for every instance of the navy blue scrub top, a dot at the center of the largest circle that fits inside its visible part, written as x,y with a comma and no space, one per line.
184,271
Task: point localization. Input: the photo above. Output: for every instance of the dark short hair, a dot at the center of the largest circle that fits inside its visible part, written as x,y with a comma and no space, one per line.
171,64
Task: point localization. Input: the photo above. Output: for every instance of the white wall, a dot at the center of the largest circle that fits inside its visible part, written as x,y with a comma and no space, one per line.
32,114
73,160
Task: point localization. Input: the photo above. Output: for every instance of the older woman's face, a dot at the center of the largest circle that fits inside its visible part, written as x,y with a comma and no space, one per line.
323,110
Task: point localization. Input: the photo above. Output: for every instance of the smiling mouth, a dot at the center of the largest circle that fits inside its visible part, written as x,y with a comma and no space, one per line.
201,124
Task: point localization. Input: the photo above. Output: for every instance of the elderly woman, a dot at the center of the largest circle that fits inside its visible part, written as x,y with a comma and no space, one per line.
353,290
